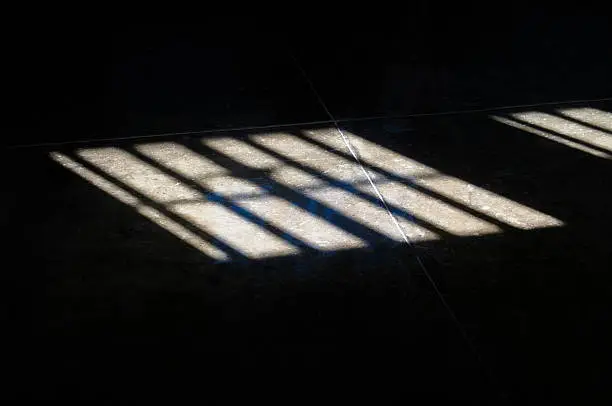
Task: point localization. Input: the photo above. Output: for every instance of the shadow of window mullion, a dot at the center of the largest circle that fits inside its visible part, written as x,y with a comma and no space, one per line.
558,134
262,195
351,189
410,184
229,204
296,198
230,251
574,120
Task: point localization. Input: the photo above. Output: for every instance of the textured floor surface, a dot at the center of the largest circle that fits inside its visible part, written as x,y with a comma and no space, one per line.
225,211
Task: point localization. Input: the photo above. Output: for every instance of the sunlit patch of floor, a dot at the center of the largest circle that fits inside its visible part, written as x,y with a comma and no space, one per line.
277,194
599,119
584,129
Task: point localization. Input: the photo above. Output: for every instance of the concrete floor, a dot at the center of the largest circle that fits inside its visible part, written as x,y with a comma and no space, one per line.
189,240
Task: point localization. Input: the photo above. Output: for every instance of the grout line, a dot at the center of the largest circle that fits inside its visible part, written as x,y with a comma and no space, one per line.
472,111
406,239
307,123
168,134
377,191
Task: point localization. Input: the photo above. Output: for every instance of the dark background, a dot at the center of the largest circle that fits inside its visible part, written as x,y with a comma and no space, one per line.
96,80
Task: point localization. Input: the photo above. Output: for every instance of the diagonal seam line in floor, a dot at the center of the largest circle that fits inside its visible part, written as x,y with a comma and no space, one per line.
426,272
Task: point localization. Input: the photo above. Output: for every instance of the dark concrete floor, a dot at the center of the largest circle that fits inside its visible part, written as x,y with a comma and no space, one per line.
273,261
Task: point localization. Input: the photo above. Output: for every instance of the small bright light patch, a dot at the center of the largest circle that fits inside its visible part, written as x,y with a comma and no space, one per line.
182,160
386,159
595,117
587,137
252,240
564,132
488,204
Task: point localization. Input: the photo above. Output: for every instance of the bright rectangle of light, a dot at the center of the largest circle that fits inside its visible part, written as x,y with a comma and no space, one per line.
595,117
576,131
553,137
195,189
